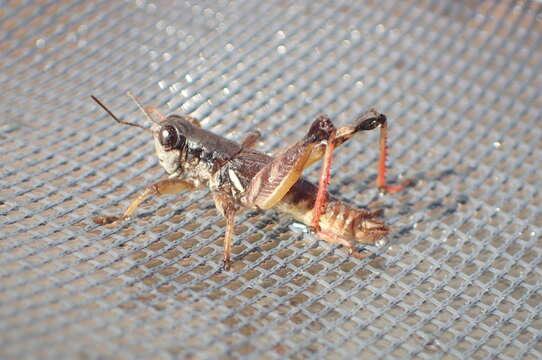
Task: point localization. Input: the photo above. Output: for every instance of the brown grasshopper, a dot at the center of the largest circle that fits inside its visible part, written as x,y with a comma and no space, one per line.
241,177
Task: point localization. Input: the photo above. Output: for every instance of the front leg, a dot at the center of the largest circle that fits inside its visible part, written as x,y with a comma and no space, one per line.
162,187
226,206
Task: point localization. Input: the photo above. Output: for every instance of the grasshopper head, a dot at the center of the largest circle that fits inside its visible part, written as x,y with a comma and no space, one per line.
170,142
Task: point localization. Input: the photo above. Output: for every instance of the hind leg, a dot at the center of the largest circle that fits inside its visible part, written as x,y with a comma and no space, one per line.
276,178
367,121
325,177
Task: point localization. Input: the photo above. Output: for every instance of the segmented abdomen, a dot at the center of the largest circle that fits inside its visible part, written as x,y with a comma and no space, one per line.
353,224
338,218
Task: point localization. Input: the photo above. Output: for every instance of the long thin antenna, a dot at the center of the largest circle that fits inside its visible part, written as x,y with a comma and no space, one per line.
142,108
116,118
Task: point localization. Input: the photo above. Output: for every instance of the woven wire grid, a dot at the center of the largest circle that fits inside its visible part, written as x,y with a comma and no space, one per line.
460,274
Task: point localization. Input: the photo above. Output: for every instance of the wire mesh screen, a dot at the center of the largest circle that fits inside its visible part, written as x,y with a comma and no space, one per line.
460,273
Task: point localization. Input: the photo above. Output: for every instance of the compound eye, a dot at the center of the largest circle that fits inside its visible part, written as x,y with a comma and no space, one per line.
170,138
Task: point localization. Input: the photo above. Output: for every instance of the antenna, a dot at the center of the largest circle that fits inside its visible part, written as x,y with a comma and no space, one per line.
114,117
147,114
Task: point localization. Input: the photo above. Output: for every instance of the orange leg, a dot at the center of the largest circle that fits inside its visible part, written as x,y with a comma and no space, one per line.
367,121
381,179
322,195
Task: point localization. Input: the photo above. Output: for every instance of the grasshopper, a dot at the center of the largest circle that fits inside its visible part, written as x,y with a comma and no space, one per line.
239,176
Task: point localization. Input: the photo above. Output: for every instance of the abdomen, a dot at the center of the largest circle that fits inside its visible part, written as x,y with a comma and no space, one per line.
339,218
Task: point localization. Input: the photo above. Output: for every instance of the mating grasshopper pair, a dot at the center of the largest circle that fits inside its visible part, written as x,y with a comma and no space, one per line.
239,176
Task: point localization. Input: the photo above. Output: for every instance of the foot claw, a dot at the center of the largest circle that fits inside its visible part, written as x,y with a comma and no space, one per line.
106,220
226,264
359,254
314,230
393,189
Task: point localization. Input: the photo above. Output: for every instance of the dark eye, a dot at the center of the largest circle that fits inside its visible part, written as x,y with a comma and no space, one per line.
170,138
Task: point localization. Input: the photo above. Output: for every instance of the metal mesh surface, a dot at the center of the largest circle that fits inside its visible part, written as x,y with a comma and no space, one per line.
460,276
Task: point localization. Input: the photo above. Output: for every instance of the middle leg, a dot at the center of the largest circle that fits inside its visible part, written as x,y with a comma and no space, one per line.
227,208
250,140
